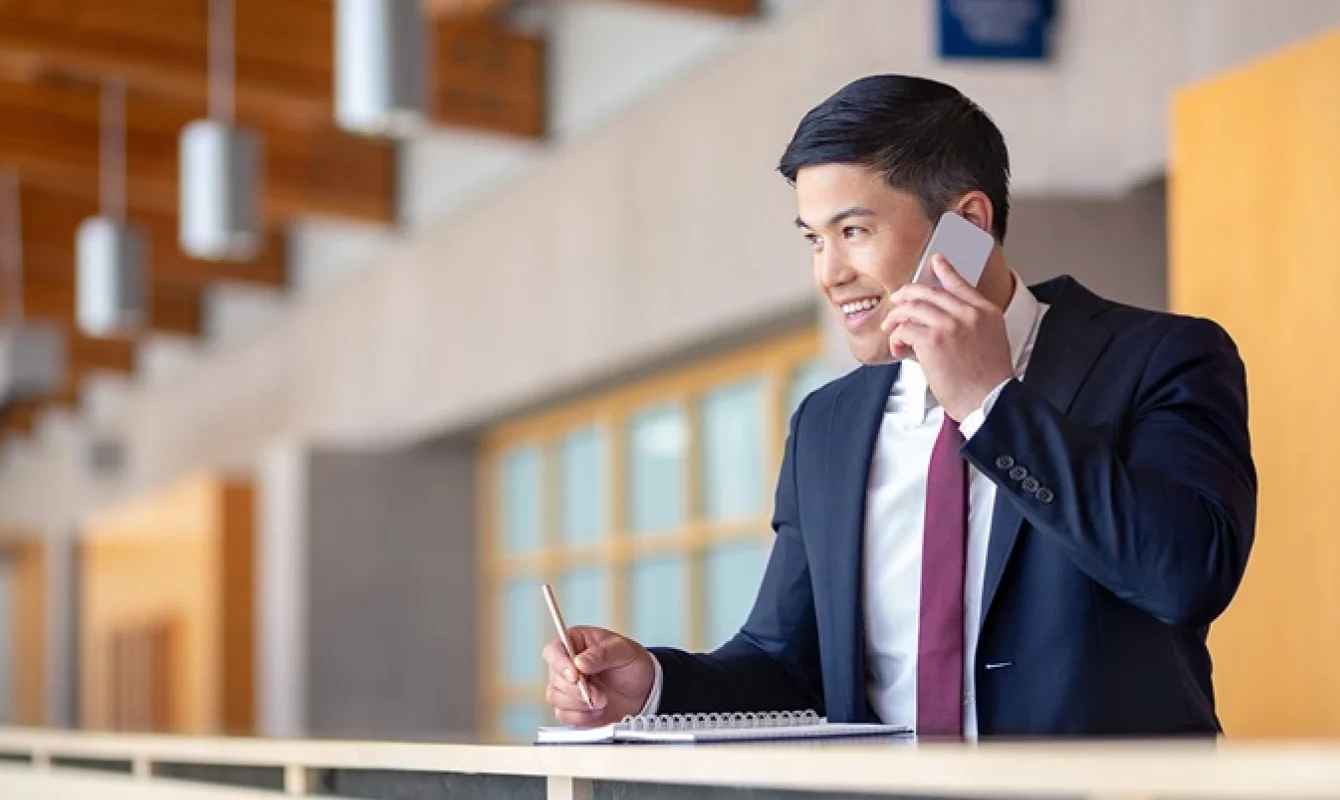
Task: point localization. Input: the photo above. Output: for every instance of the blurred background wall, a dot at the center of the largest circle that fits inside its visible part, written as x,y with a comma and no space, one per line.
552,333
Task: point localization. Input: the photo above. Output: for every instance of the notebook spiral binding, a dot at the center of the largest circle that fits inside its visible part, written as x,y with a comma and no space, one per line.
702,722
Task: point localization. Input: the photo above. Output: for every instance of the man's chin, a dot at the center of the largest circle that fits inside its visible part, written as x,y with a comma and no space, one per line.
871,356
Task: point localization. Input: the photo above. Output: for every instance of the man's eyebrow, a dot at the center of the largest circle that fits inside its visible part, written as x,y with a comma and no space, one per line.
841,216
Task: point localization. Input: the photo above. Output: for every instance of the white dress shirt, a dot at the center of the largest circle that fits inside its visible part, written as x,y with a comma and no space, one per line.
894,525
895,512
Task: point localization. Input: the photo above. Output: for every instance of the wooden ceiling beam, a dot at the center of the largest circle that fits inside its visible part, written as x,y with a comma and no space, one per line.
488,78
50,130
484,76
84,356
456,9
284,50
172,309
51,218
729,8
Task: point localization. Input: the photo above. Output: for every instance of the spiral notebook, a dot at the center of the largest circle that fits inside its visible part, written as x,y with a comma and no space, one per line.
697,728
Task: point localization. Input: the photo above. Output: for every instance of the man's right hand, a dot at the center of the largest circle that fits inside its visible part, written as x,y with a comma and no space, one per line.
618,670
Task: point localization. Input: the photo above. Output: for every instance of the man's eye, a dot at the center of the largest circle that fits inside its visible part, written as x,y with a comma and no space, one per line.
851,231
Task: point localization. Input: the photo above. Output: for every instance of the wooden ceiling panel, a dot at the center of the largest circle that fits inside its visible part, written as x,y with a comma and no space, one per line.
489,78
51,132
50,222
284,49
83,355
175,309
730,8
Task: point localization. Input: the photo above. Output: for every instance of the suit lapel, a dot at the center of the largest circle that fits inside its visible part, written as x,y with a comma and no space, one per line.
854,429
1068,344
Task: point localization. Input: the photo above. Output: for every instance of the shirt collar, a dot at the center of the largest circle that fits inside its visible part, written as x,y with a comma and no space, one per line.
1021,315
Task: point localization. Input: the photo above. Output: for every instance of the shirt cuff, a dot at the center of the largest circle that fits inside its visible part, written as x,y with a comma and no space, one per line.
654,699
974,421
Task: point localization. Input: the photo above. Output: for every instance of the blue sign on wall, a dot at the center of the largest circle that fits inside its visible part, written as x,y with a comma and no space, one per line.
996,29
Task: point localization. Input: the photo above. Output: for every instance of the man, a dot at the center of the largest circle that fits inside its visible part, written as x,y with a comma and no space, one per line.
1020,515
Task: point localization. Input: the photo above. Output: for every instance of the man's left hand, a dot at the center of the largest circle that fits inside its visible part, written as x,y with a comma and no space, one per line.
958,337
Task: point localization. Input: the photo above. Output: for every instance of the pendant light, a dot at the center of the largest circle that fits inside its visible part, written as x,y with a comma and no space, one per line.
379,66
32,356
110,251
220,163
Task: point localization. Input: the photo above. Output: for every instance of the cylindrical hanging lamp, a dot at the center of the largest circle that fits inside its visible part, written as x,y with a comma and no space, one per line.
220,163
110,277
110,251
32,355
379,66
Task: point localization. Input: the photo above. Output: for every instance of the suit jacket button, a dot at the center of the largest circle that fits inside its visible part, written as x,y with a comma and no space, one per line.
1045,495
1018,474
1004,462
1030,484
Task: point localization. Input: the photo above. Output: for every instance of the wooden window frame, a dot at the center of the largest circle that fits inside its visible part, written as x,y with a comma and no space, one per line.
775,362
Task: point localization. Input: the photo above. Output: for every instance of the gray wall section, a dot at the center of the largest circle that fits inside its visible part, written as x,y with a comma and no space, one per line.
7,644
392,595
1116,247
62,628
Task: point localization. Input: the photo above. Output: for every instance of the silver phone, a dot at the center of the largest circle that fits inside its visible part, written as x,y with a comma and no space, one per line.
966,246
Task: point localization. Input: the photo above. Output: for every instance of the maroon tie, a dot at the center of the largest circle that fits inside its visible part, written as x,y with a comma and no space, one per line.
940,637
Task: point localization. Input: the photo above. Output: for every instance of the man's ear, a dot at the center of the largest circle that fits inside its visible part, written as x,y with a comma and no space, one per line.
976,207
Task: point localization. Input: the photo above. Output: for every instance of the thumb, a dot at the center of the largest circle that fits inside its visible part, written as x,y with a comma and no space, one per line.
608,653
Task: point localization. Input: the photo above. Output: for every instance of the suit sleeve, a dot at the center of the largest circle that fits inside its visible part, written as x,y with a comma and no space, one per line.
772,664
1165,517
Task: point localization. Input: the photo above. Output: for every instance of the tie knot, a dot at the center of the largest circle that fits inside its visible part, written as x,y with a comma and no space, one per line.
950,435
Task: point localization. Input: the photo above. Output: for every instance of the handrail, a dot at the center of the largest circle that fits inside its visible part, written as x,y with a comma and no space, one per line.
1074,769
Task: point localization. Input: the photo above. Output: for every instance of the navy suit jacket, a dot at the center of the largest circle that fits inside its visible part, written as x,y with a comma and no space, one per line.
1101,582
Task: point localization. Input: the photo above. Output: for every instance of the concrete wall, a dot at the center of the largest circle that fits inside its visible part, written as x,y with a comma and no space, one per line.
61,677
1117,247
391,593
282,501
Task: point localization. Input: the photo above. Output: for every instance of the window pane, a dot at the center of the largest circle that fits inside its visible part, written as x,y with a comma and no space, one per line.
519,722
806,378
521,499
584,596
733,450
657,602
657,441
521,631
582,482
734,571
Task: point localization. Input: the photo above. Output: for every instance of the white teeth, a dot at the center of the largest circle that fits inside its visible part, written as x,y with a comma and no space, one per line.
859,305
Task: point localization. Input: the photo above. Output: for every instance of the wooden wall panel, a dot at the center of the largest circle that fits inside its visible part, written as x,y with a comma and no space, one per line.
181,555
141,676
1254,195
29,628
237,604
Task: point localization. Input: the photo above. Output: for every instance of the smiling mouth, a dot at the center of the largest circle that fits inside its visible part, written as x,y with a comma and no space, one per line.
858,306
857,313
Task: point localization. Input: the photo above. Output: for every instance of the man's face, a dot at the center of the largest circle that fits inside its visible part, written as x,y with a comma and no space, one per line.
867,239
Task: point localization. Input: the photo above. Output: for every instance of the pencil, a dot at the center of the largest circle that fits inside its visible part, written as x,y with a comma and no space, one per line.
567,643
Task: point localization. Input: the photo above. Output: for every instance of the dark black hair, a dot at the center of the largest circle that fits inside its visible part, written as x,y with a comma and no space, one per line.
925,136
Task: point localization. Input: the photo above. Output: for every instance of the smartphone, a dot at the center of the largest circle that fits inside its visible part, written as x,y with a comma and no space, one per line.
966,246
